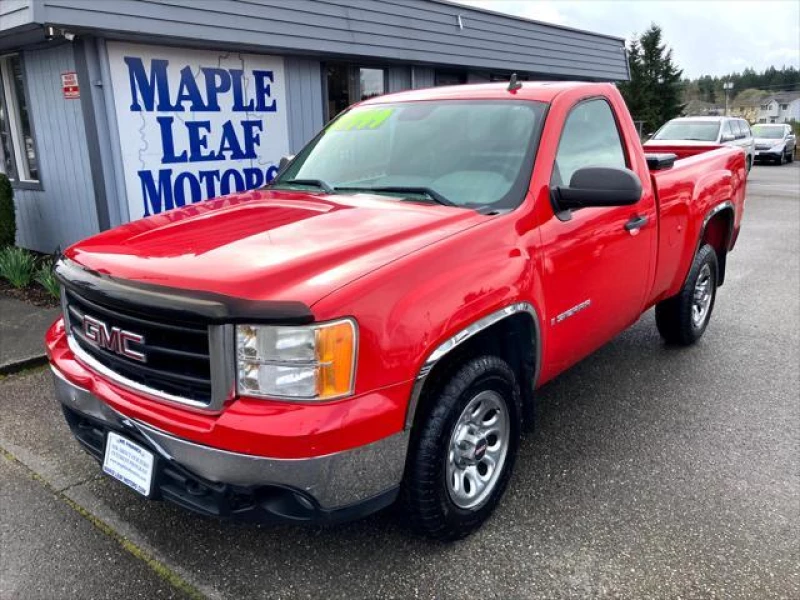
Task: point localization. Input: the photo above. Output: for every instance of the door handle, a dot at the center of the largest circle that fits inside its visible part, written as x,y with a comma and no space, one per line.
635,223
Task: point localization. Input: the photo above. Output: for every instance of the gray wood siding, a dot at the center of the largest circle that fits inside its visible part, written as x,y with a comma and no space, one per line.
422,77
14,13
64,210
304,96
420,31
398,78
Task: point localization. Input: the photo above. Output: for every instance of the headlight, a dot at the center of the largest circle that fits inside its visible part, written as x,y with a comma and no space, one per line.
315,362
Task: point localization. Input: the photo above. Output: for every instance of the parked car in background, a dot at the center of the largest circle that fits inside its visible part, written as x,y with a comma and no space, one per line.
775,143
713,131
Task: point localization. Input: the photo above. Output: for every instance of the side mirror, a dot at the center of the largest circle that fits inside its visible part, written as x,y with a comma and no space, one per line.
727,138
284,162
598,186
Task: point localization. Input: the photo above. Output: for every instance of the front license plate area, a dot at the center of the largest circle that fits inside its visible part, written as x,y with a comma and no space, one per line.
129,463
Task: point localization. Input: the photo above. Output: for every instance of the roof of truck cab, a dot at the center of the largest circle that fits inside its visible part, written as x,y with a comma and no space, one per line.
543,91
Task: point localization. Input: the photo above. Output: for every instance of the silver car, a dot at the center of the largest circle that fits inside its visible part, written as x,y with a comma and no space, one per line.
714,131
775,143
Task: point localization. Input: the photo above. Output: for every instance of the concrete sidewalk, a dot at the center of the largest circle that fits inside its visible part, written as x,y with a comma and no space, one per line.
53,546
22,329
50,550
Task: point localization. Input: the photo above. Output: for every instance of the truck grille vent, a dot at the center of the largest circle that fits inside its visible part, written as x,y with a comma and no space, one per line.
173,357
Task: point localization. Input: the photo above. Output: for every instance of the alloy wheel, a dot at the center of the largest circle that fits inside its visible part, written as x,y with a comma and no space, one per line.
477,450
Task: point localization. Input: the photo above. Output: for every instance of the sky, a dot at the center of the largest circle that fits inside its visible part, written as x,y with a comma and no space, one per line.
708,37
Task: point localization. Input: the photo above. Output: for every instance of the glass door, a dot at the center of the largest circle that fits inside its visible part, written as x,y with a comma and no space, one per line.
347,84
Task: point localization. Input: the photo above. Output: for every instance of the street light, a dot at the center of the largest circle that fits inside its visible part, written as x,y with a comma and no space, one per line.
727,86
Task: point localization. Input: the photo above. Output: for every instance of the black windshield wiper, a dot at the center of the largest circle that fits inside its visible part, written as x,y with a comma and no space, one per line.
400,189
324,186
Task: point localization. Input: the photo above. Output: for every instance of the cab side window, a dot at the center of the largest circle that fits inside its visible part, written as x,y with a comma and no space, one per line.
727,129
590,138
745,126
738,132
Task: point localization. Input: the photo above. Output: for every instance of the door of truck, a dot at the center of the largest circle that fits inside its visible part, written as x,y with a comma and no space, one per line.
597,261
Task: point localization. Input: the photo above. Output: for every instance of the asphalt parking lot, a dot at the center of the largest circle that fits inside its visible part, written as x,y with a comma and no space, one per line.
654,472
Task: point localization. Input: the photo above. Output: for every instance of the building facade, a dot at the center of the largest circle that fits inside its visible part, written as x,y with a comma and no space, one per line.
118,109
783,107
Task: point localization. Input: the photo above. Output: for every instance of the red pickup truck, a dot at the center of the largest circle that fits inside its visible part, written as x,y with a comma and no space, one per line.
374,324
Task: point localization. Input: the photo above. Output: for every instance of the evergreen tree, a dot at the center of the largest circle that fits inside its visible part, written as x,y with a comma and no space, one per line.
653,94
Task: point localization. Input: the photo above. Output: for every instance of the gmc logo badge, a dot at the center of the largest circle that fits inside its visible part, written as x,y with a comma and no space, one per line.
112,338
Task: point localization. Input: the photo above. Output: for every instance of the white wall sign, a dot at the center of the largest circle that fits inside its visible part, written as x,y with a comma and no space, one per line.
196,124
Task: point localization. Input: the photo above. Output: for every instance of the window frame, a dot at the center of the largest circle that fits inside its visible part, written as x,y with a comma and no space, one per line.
353,70
357,68
620,135
727,124
745,126
10,102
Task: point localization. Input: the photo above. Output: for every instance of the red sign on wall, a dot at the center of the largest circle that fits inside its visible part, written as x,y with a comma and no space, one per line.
69,85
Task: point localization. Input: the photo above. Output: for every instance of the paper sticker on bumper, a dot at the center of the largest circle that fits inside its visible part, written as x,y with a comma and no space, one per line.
129,463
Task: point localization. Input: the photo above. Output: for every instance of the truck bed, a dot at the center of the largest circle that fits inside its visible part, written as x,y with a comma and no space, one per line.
702,178
680,150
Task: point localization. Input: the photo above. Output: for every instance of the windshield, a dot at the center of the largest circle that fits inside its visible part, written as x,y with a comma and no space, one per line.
460,152
768,132
700,131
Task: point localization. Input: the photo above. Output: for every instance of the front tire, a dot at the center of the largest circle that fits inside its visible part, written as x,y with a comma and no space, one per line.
463,453
682,319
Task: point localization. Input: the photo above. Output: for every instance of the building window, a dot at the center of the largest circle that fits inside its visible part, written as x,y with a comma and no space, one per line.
372,82
17,150
784,107
443,77
348,84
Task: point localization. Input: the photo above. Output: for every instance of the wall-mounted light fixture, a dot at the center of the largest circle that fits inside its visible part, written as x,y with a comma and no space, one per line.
54,33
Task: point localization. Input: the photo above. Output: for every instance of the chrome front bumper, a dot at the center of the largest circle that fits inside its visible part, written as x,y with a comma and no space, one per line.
336,481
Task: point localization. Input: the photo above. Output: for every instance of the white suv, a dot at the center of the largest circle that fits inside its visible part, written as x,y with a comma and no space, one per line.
728,131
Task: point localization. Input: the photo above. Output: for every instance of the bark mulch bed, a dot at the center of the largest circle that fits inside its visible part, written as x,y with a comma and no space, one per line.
33,294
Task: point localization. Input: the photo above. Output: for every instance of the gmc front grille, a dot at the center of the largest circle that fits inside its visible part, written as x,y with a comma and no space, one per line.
175,357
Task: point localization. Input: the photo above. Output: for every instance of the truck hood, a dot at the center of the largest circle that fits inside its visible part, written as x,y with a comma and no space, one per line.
270,245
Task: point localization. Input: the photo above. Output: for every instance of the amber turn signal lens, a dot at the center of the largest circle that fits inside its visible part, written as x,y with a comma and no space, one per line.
336,359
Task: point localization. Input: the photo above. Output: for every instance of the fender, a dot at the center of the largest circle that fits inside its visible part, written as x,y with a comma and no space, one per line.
712,195
710,215
465,334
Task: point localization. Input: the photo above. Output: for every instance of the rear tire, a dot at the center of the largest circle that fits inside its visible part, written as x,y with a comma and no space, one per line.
682,319
463,453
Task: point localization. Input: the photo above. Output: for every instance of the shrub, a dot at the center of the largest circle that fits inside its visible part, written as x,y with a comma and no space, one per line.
47,279
17,265
8,223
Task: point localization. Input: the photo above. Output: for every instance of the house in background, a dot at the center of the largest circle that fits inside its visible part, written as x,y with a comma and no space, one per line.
781,107
747,104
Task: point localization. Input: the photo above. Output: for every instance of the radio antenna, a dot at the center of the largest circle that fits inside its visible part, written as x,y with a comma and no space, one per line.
513,84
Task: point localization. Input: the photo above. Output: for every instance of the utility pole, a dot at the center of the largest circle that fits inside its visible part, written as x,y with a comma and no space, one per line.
727,86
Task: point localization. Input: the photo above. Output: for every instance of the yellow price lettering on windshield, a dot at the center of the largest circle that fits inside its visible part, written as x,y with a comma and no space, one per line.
363,119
